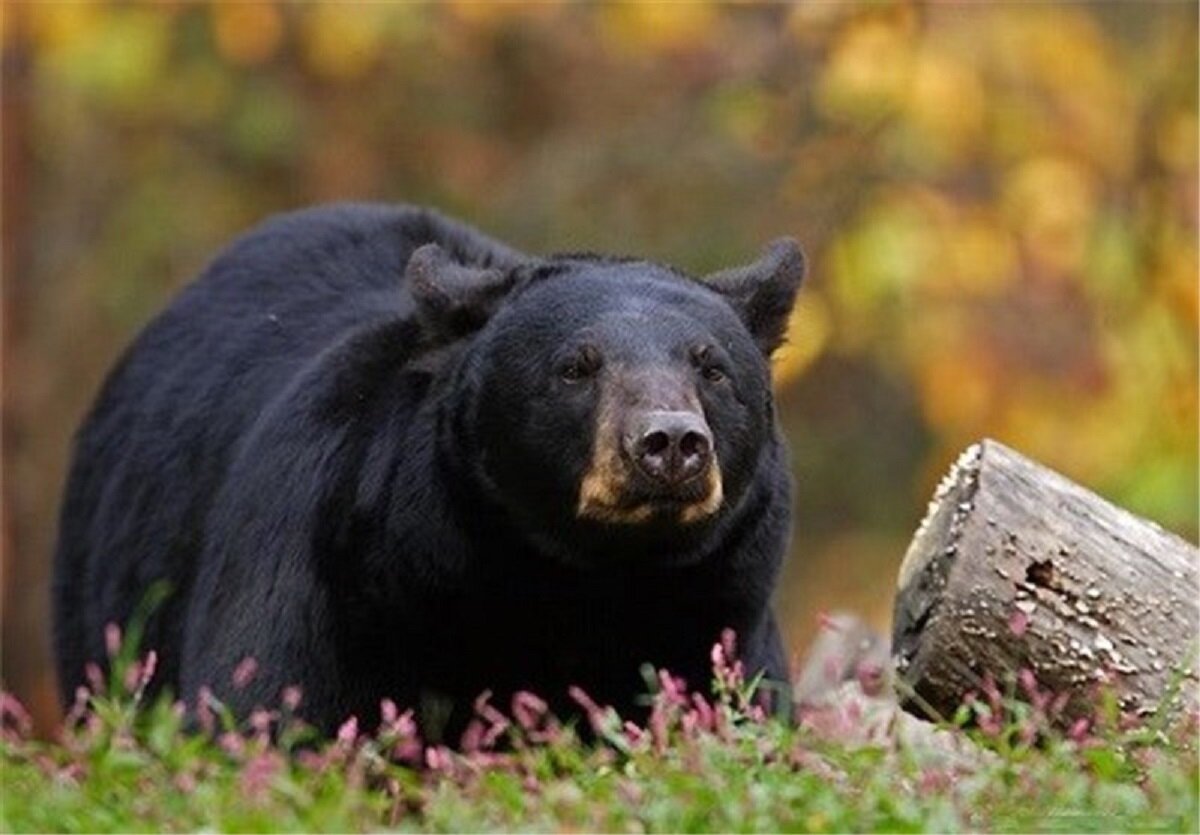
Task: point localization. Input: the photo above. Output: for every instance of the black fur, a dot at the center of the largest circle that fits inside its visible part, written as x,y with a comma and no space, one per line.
370,491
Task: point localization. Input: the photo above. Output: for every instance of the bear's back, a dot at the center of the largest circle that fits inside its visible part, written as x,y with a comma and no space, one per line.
155,448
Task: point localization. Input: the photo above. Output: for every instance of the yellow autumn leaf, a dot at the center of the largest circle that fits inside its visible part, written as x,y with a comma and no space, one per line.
1175,140
807,334
868,72
1051,202
979,256
247,33
657,27
484,13
343,41
57,27
956,389
945,102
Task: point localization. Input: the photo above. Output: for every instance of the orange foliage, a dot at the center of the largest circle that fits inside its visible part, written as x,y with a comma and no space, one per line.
999,203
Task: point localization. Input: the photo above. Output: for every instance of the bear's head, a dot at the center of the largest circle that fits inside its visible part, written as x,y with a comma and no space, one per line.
616,409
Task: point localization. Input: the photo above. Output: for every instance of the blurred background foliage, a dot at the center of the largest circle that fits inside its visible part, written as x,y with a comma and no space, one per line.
999,202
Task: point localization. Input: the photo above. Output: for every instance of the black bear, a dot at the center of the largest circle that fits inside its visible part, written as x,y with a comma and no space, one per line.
384,455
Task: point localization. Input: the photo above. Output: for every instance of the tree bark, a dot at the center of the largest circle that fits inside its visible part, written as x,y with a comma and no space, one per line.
1016,567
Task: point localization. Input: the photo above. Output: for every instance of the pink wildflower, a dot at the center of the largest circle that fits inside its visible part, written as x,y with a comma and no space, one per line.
472,738
258,773
990,724
139,673
244,672
934,781
388,711
704,712
94,676
497,722
133,674
727,670
407,747
348,732
78,708
112,640
717,657
1027,681
1060,703
149,667
291,697
729,642
232,743
1079,729
94,726
992,692
204,705
260,722
438,758
310,760
1018,622
672,688
689,723
870,677
594,712
14,718
657,725
852,711
1039,698
528,710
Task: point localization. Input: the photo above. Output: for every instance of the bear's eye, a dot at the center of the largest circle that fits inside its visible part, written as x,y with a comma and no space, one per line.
584,364
706,361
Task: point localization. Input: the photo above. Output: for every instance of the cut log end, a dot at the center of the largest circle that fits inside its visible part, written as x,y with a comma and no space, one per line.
1015,567
927,562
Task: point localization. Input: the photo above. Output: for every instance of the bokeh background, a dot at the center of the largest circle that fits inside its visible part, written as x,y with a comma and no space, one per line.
999,202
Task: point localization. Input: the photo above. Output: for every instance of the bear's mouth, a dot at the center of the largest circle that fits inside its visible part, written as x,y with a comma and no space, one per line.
620,496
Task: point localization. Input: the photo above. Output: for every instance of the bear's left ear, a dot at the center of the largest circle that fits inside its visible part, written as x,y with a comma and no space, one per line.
453,299
762,293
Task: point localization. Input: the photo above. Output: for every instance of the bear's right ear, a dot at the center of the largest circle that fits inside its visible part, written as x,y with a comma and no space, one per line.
453,299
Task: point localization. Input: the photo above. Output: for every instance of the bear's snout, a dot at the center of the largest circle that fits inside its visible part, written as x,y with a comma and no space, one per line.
669,448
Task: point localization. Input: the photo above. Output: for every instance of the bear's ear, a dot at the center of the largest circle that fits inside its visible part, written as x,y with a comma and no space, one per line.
453,299
762,293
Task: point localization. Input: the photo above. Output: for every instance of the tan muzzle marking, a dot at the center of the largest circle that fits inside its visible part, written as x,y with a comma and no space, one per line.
607,478
711,503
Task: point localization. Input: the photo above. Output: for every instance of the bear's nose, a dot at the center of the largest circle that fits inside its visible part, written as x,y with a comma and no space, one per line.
670,447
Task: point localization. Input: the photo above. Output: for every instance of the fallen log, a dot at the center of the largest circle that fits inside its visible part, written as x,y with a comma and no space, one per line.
1016,567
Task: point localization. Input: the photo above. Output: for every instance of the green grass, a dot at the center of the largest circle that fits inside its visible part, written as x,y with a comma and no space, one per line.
713,764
